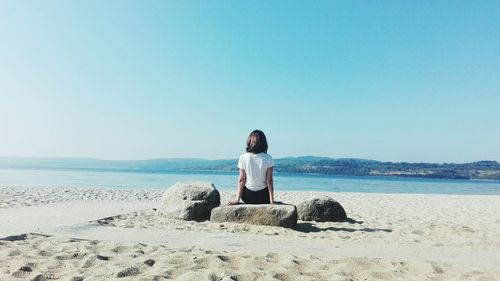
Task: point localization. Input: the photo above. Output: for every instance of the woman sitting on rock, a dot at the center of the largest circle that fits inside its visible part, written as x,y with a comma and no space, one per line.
255,184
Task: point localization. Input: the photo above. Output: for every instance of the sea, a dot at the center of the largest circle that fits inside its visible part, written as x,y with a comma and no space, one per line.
123,179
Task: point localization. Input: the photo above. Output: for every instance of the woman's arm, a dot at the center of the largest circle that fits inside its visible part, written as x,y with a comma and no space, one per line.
242,180
269,180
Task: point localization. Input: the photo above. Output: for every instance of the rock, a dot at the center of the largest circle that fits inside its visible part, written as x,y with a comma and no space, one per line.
321,209
276,215
189,201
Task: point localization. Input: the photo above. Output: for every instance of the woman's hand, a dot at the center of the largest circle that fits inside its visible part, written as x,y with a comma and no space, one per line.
241,184
233,202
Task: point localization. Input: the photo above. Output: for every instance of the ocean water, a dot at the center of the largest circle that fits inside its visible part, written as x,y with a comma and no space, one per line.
22,177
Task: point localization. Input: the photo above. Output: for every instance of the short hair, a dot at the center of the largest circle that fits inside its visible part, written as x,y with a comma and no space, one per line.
257,142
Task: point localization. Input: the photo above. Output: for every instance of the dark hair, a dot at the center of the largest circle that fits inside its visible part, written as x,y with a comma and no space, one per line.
257,142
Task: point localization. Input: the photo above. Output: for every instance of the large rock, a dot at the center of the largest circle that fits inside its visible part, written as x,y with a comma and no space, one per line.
321,209
276,215
189,201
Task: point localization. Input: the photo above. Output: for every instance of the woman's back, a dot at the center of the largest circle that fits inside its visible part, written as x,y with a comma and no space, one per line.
255,182
255,166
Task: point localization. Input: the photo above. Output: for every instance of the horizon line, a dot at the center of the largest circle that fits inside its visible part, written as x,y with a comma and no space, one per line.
230,159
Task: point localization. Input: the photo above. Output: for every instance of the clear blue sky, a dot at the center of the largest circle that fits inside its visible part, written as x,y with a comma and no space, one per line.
384,80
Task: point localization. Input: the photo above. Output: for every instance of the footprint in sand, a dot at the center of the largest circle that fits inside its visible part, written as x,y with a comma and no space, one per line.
22,272
131,271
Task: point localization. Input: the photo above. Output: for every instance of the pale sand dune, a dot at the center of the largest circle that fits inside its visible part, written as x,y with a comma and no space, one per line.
391,237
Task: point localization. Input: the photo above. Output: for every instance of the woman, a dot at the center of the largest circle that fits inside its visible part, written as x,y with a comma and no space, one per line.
255,184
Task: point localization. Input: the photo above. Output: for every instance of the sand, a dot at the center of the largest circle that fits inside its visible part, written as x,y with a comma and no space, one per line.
96,234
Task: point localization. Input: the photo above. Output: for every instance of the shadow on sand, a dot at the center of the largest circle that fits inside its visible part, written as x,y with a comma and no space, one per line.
311,227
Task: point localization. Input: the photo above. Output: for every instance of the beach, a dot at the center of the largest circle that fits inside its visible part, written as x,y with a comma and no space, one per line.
64,233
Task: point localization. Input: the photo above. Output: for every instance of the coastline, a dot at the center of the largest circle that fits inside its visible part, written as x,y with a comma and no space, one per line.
302,165
390,237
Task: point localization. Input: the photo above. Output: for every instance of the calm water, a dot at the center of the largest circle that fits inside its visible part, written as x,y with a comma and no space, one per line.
288,182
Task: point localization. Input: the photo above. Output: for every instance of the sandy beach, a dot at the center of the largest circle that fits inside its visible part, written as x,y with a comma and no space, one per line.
95,234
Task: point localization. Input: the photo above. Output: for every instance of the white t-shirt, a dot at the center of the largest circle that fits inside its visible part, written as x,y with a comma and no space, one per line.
255,166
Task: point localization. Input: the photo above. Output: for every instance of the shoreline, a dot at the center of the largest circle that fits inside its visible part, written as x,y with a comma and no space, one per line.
16,196
396,236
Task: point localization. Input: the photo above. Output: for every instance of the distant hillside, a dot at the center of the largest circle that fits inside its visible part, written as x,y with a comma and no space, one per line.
299,165
475,170
363,167
92,163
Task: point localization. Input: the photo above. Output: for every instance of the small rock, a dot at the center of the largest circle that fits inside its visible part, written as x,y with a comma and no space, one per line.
190,201
321,209
149,262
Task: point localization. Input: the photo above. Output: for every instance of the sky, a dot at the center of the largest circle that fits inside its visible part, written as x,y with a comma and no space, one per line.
415,81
